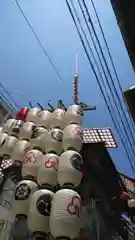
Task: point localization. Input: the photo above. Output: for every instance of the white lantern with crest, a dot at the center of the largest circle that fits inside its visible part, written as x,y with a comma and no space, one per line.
72,137
47,171
1,129
74,115
20,150
32,115
8,145
53,143
8,125
36,138
65,221
70,169
44,119
15,128
3,136
26,131
58,119
22,197
30,164
39,212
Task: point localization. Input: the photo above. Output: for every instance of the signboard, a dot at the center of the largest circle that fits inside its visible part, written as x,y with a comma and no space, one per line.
6,216
7,195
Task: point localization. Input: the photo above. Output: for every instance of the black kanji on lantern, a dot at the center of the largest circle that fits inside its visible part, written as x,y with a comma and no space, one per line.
35,131
22,192
57,134
44,205
76,162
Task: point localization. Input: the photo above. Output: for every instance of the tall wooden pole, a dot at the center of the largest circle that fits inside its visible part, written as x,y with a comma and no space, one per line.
76,93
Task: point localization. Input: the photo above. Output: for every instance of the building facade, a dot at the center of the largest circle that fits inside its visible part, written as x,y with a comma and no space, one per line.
7,108
6,111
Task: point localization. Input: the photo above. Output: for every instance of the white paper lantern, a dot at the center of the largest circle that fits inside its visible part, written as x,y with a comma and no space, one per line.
8,145
36,138
47,170
26,131
44,119
53,141
72,137
3,136
23,193
20,150
131,203
15,128
30,164
8,125
39,213
58,119
74,114
1,129
70,168
65,218
32,115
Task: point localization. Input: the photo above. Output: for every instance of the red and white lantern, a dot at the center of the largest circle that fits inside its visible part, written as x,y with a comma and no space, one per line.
72,137
47,170
65,218
31,162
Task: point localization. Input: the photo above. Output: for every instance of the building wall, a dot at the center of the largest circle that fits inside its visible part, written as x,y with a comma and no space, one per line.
131,237
6,111
93,225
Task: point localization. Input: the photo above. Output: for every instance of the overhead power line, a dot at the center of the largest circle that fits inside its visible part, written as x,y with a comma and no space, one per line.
127,128
111,79
108,82
124,117
101,88
112,62
41,46
97,65
9,95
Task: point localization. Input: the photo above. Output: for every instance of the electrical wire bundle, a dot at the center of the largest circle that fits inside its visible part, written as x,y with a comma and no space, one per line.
6,96
116,106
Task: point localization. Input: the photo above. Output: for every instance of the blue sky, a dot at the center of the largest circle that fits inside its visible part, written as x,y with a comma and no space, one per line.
27,74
